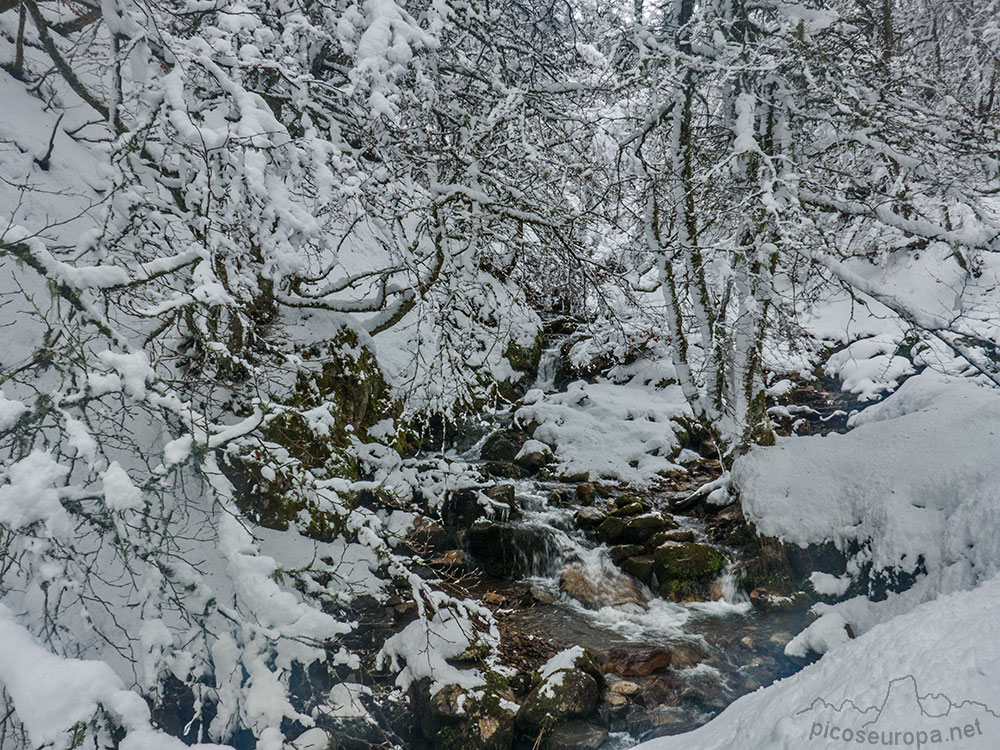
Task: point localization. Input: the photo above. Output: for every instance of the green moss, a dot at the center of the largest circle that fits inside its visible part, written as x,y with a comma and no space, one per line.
524,360
687,561
279,503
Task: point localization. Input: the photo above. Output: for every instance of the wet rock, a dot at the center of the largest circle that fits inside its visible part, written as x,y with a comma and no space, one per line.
577,735
533,455
670,535
504,469
615,701
596,591
622,551
626,499
507,551
624,511
462,508
564,695
503,445
664,690
624,687
589,518
636,660
639,529
684,569
780,639
639,722
640,566
585,493
703,692
454,717
503,494
541,596
686,655
561,496
578,477
611,530
747,642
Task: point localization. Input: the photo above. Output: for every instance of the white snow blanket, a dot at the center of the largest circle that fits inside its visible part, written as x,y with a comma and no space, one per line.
914,487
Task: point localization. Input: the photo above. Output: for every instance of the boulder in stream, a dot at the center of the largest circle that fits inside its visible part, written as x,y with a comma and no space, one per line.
585,493
640,566
638,529
563,695
684,569
636,660
577,735
623,551
503,445
590,517
610,530
469,718
533,455
670,535
596,590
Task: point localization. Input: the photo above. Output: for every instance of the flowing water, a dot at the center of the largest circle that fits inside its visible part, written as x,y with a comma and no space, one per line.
722,648
726,647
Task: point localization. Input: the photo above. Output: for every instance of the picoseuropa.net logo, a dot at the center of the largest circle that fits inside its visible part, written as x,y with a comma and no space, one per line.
904,719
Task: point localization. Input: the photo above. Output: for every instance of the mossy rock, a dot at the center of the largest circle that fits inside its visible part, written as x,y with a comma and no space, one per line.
632,509
276,500
564,695
687,562
626,499
639,529
585,661
670,535
610,530
457,718
524,360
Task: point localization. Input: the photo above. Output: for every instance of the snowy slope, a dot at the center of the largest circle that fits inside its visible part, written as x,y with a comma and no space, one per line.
912,488
947,646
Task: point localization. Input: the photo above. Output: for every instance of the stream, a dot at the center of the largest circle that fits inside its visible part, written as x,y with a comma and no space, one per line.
563,589
720,649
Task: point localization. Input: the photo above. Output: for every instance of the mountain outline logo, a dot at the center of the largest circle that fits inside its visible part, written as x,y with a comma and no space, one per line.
904,718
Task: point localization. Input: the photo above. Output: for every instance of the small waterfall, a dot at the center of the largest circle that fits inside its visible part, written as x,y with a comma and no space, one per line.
548,367
729,583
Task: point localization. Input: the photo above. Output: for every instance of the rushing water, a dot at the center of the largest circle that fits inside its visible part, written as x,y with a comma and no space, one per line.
733,642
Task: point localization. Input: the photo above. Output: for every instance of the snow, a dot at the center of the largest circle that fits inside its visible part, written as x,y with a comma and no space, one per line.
422,649
30,495
565,659
871,366
52,694
615,431
943,651
912,488
119,492
10,412
828,632
178,450
829,585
